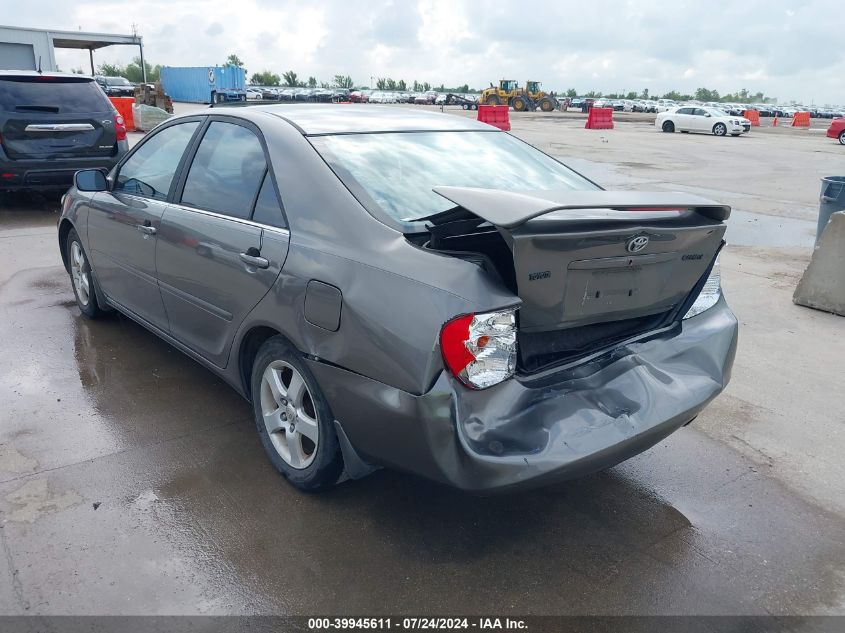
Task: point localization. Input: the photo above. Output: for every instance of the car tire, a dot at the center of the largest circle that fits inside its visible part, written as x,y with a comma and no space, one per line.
668,127
82,277
293,418
842,137
720,129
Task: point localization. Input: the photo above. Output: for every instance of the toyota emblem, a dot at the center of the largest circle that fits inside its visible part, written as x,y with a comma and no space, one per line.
636,244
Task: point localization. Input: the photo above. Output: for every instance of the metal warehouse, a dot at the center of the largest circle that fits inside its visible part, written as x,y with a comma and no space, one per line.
29,49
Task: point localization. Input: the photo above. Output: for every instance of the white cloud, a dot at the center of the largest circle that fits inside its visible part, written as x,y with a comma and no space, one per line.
602,45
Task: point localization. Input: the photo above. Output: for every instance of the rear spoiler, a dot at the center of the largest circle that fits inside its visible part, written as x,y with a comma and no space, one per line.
508,210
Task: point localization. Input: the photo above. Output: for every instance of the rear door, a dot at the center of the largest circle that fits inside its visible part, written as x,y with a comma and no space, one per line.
55,117
124,223
683,119
223,242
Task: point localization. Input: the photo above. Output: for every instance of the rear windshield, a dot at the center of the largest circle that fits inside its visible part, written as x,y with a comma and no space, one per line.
51,94
394,173
117,81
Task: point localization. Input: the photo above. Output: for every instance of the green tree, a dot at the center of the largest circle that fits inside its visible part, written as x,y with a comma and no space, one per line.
631,95
426,87
401,85
571,92
343,81
312,82
644,93
111,70
593,95
291,79
234,60
133,71
267,78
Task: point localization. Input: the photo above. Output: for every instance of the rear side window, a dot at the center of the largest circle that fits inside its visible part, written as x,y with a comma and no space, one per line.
51,94
267,208
149,171
226,172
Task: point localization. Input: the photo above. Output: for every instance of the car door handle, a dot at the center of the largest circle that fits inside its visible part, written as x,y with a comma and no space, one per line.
146,229
254,260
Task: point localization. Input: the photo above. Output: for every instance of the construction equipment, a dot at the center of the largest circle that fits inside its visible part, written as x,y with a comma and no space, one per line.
521,99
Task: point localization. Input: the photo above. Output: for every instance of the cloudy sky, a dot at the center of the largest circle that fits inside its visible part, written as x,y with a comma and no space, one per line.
790,50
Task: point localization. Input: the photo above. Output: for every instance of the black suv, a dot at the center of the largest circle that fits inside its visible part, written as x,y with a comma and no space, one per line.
51,125
115,86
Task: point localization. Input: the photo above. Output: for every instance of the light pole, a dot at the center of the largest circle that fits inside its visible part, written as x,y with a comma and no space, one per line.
371,82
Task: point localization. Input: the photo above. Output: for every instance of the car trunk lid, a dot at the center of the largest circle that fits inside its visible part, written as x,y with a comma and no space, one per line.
593,266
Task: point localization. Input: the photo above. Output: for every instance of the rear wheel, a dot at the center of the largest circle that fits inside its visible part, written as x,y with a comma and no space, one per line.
493,100
842,137
519,104
668,127
720,129
546,104
294,421
82,277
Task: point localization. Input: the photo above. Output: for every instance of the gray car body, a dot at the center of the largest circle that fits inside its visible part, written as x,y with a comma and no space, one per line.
365,308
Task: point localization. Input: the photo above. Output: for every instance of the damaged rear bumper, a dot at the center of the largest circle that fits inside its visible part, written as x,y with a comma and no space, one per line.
532,431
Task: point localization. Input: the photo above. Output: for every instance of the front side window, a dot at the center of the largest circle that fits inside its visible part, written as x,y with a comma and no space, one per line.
226,172
394,173
149,171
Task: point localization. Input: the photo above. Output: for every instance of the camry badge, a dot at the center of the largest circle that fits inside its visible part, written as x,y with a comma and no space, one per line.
636,244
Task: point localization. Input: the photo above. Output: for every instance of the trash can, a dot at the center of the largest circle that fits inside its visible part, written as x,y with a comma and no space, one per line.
831,200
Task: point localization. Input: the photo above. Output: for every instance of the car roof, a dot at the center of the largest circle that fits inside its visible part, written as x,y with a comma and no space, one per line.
356,119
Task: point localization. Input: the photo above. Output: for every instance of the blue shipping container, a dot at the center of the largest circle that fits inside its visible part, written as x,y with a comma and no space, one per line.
204,84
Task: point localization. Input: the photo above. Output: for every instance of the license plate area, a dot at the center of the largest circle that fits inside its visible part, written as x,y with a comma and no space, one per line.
619,287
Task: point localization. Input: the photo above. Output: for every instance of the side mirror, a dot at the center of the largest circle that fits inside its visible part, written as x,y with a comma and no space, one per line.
708,114
90,180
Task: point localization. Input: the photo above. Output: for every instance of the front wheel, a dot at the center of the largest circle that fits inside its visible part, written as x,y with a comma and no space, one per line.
82,277
519,104
546,104
720,129
668,127
493,100
842,137
294,421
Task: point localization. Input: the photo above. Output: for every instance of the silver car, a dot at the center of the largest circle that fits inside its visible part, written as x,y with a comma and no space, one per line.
409,289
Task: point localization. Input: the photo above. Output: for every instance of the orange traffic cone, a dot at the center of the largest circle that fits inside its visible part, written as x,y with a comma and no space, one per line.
775,121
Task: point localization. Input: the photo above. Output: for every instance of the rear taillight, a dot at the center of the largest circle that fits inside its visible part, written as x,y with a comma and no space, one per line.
710,292
120,127
480,349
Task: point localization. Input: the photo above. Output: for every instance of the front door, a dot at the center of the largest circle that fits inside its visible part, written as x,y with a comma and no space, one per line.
217,256
123,223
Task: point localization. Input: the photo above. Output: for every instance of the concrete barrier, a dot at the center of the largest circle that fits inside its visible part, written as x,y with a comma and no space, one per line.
823,285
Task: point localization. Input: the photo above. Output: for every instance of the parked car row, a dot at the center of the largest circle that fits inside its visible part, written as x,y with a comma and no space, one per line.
313,95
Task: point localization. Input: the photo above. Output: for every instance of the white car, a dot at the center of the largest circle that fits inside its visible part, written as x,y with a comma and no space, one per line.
253,94
666,105
697,119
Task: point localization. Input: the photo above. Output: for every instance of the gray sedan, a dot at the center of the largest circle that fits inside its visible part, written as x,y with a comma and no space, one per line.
409,290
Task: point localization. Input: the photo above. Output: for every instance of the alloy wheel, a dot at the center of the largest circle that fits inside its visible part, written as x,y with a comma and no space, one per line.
81,279
289,414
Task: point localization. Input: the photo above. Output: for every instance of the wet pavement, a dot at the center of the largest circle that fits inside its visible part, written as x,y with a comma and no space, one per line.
132,482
